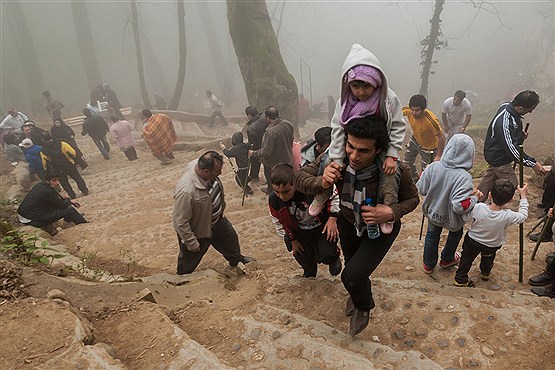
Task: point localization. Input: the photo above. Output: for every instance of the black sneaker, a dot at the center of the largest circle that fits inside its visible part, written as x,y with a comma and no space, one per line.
536,237
335,268
540,280
359,322
548,291
243,259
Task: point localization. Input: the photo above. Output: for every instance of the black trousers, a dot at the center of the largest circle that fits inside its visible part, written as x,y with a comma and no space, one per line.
72,172
240,180
362,256
69,214
470,250
130,153
224,239
548,198
316,250
213,117
255,168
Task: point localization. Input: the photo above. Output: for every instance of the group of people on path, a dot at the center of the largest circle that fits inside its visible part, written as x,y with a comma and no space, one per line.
354,189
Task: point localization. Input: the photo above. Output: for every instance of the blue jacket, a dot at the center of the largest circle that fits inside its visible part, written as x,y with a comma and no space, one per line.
32,155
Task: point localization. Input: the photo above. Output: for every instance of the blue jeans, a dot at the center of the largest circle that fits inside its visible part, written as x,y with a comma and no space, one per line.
432,242
103,146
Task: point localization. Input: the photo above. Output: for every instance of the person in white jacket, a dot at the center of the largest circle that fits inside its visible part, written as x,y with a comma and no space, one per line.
364,92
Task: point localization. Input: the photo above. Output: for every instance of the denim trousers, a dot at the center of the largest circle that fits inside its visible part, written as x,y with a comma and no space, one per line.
103,146
432,242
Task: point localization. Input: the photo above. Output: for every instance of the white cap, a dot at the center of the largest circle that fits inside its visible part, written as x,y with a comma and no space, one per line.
26,143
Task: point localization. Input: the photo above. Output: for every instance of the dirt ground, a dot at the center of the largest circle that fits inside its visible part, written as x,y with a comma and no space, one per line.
271,317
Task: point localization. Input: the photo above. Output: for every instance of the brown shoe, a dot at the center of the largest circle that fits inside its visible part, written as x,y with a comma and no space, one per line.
359,322
50,229
67,225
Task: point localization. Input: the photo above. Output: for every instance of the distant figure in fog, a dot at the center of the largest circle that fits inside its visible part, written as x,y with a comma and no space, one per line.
122,132
96,127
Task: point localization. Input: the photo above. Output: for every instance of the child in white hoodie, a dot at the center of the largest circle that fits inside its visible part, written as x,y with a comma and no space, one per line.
364,92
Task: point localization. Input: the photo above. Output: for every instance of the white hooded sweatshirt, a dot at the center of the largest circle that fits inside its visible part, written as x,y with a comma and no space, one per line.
390,107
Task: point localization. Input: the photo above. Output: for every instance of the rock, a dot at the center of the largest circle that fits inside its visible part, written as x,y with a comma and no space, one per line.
282,354
440,326
144,295
487,351
57,294
450,307
107,348
375,338
510,333
420,332
491,318
276,334
409,268
258,355
461,342
410,342
398,335
473,363
494,287
503,349
255,333
405,320
505,278
443,343
454,320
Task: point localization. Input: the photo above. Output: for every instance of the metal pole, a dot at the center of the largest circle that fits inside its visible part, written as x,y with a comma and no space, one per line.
521,226
546,227
421,227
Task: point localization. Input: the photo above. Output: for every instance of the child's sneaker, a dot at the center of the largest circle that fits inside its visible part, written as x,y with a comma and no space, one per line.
386,228
443,264
427,270
483,276
317,204
468,284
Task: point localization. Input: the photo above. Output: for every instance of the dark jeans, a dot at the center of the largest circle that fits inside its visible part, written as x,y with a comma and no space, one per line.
72,172
431,244
470,250
316,250
548,198
69,214
130,153
217,114
224,239
362,256
79,159
103,146
413,150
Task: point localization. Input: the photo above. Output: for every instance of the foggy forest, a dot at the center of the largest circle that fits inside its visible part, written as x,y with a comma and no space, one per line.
491,49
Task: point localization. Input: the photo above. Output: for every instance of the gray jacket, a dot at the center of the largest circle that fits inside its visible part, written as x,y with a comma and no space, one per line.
277,144
447,185
192,208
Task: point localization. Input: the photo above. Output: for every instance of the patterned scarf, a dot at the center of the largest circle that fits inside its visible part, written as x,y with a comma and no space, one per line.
353,192
352,107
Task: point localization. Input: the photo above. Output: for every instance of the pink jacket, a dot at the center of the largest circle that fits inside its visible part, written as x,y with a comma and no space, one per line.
121,131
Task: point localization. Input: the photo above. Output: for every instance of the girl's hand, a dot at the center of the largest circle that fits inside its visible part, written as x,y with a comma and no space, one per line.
389,166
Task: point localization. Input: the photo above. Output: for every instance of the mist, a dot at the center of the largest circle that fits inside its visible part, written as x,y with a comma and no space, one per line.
490,50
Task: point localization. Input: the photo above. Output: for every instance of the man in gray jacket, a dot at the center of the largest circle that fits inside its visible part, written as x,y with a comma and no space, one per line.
277,144
198,215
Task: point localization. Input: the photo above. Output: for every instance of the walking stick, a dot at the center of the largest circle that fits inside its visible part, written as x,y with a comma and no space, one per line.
546,227
421,228
246,178
538,224
521,226
526,131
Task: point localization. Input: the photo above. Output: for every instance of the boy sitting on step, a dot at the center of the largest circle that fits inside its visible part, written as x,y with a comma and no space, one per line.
488,231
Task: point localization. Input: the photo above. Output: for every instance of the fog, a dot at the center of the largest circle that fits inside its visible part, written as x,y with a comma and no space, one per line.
489,50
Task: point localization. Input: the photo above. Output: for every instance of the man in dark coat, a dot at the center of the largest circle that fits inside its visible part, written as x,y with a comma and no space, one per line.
256,127
97,128
43,206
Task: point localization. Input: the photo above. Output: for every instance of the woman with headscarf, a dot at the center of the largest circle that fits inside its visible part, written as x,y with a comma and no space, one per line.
61,131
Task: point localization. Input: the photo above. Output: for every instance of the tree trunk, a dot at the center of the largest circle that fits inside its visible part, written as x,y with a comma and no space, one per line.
86,43
142,83
218,61
28,59
431,43
267,80
174,103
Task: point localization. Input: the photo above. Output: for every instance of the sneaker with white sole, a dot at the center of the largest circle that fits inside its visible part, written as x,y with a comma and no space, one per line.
443,264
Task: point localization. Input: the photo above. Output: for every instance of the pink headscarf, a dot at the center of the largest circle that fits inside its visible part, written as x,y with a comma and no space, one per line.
352,107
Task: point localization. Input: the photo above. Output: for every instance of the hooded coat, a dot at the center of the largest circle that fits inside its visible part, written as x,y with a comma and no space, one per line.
447,184
239,150
390,107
